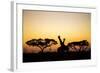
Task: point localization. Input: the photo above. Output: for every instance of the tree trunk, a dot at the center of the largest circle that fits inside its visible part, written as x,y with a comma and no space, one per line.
42,50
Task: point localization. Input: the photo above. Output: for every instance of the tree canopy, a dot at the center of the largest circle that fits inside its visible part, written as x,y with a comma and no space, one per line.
41,43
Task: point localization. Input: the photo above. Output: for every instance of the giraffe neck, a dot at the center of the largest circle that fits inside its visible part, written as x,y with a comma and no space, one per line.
61,43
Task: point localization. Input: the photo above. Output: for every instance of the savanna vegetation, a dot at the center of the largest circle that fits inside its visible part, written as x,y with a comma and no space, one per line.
77,50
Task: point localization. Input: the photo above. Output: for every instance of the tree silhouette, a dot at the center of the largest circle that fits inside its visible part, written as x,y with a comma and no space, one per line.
41,43
81,44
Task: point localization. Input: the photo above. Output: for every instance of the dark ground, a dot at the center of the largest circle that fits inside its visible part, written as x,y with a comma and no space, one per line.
54,56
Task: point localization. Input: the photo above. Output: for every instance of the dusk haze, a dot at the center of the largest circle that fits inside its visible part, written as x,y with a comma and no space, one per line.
58,27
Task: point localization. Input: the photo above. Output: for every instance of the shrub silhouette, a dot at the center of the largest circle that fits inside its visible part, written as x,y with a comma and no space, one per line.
41,43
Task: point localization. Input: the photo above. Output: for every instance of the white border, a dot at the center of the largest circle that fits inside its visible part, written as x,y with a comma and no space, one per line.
17,63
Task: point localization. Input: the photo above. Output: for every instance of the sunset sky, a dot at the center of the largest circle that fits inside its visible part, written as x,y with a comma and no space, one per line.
48,24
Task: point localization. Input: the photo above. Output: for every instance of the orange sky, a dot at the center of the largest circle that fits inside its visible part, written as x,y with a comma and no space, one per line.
46,24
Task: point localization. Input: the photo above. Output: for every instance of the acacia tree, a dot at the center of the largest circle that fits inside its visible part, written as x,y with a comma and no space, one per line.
41,43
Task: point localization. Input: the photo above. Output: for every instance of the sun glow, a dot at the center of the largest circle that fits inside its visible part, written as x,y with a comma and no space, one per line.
46,24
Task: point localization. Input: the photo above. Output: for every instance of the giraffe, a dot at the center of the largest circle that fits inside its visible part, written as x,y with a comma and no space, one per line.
63,48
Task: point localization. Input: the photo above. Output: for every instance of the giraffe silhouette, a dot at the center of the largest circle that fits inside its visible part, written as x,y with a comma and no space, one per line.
63,49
